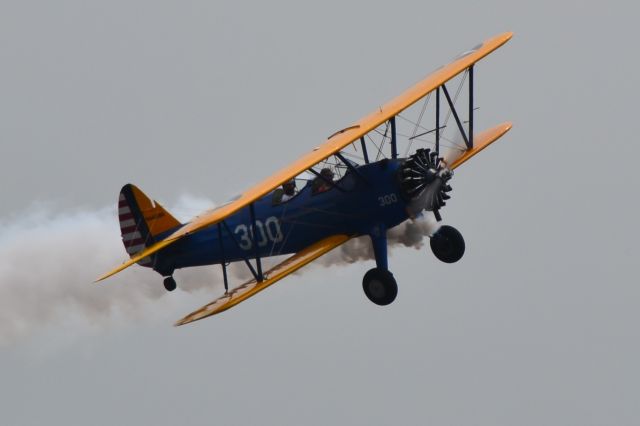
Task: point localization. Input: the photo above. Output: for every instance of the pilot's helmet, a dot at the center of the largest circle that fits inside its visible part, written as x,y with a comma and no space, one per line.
327,173
289,187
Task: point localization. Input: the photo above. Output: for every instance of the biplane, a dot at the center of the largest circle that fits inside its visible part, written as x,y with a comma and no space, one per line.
357,183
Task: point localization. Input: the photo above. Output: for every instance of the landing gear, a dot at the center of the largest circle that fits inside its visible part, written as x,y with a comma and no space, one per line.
447,244
380,286
378,283
170,283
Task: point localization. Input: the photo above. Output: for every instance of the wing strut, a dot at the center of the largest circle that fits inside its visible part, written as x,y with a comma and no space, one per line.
259,276
364,150
455,115
471,107
467,136
224,260
246,261
438,122
394,139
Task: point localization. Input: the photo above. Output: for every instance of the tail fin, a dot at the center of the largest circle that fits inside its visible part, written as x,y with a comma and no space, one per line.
141,220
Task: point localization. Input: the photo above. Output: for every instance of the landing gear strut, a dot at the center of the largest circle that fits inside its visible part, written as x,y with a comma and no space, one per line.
447,244
380,286
170,283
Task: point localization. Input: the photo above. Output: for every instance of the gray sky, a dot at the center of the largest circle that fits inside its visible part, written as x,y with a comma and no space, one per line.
537,325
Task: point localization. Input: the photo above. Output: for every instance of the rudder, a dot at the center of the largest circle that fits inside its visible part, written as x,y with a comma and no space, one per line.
141,221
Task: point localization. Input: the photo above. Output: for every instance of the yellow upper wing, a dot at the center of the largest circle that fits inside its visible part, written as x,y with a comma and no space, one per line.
335,143
272,276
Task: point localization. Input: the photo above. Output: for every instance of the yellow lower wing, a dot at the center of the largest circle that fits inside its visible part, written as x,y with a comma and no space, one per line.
272,276
480,142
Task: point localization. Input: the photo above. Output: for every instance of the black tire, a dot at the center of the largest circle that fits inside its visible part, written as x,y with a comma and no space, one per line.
170,283
380,286
447,244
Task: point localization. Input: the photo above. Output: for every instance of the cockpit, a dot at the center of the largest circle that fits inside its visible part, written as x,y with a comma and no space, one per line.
332,171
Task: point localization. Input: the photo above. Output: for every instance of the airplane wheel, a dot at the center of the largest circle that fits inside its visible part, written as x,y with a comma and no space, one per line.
170,283
447,244
380,286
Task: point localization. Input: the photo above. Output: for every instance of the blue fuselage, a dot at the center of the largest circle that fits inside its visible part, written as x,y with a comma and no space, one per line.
364,201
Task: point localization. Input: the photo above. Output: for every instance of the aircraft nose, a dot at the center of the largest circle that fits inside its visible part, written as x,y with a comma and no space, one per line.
430,175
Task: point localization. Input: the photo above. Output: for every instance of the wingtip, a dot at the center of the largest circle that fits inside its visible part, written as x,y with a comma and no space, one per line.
184,321
105,276
187,320
100,278
506,36
501,38
503,128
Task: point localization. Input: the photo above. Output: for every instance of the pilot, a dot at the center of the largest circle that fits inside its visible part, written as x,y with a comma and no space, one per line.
322,185
289,189
285,193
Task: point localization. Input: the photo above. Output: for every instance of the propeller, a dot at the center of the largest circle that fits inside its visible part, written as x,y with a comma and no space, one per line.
423,181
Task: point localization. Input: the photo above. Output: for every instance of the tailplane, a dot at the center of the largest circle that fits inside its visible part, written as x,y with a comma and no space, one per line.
141,221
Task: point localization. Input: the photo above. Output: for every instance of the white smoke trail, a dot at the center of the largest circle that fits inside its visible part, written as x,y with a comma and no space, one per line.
48,262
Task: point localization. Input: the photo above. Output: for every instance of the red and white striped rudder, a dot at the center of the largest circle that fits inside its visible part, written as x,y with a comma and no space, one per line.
141,221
